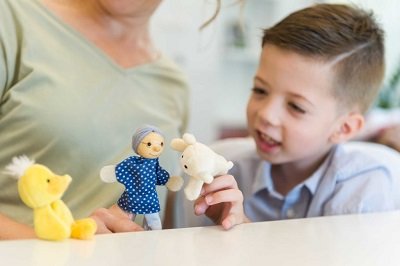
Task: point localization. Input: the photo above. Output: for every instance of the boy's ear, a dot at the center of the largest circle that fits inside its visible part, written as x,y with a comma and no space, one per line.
349,126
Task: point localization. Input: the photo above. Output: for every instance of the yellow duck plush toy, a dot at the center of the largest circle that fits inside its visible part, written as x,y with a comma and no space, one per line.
41,190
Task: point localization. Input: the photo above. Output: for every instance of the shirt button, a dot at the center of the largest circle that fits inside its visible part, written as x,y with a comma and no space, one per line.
290,213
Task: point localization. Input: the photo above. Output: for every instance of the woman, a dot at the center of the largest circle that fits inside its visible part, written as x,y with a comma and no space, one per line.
77,77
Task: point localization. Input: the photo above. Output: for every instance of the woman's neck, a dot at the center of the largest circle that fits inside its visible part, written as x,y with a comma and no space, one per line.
123,37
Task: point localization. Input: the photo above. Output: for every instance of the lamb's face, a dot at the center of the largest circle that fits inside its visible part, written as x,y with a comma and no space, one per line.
188,161
196,160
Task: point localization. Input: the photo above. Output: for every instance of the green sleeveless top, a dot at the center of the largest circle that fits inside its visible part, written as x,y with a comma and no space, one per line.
67,105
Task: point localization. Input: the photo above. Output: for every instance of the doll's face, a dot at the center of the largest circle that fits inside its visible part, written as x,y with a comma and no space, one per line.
151,146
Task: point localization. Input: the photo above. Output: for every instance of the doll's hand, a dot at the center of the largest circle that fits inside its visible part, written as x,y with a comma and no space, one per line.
222,202
114,220
107,174
174,183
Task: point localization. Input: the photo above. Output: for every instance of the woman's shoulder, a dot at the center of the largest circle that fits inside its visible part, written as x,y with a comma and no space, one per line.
18,6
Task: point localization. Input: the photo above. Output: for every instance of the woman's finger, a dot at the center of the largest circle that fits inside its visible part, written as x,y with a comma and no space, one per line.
124,225
114,221
101,227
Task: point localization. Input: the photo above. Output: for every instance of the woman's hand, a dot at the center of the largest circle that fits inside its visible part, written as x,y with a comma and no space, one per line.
390,137
114,220
222,202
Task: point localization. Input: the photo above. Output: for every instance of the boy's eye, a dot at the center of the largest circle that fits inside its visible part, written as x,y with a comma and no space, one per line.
259,91
296,108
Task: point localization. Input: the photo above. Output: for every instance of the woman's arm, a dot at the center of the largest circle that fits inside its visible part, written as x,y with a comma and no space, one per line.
10,229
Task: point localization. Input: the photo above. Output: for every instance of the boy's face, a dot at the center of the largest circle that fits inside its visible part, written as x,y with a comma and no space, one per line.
291,113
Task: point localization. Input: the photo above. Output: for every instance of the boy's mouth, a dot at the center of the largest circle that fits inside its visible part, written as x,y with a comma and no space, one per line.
268,139
267,143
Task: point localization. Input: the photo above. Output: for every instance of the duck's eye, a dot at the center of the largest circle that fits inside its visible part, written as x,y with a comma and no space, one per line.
148,144
48,180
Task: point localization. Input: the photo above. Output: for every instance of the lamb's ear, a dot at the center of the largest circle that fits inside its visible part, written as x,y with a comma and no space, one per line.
178,144
189,138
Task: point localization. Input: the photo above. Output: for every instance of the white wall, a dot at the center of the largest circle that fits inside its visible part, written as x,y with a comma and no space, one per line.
221,76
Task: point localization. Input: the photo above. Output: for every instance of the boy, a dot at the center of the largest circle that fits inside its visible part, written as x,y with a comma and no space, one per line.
320,69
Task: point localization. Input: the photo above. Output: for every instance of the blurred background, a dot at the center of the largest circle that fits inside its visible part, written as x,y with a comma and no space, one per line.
220,61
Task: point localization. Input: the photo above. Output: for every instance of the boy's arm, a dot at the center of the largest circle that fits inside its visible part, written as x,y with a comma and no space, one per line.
11,229
222,202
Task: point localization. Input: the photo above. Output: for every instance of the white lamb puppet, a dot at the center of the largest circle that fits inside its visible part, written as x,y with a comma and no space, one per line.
200,162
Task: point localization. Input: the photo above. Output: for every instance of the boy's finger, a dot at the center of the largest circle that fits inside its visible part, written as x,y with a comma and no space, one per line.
220,182
231,220
234,196
200,206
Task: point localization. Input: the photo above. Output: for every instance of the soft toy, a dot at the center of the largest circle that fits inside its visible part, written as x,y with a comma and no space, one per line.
200,162
140,175
41,190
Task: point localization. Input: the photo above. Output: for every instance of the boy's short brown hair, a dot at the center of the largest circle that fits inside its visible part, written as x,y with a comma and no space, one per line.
347,36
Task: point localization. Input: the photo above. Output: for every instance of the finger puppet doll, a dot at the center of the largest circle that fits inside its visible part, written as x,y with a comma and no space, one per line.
41,190
200,162
140,175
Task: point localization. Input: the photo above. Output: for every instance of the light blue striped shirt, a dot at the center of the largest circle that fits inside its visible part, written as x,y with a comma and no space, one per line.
356,177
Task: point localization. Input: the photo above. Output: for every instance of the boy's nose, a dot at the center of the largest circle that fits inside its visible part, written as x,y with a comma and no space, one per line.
270,112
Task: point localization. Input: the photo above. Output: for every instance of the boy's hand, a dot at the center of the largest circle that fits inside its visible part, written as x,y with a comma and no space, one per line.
114,220
222,202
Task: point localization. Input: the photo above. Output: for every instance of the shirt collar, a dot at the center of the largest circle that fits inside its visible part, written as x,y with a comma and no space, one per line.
313,181
263,178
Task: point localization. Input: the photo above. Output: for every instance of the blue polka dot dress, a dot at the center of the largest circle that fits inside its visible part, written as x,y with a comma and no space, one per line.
140,176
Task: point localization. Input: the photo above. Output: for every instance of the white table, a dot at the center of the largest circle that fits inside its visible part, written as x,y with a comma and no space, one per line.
369,239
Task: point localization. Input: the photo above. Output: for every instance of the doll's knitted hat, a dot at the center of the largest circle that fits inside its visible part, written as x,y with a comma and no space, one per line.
141,133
